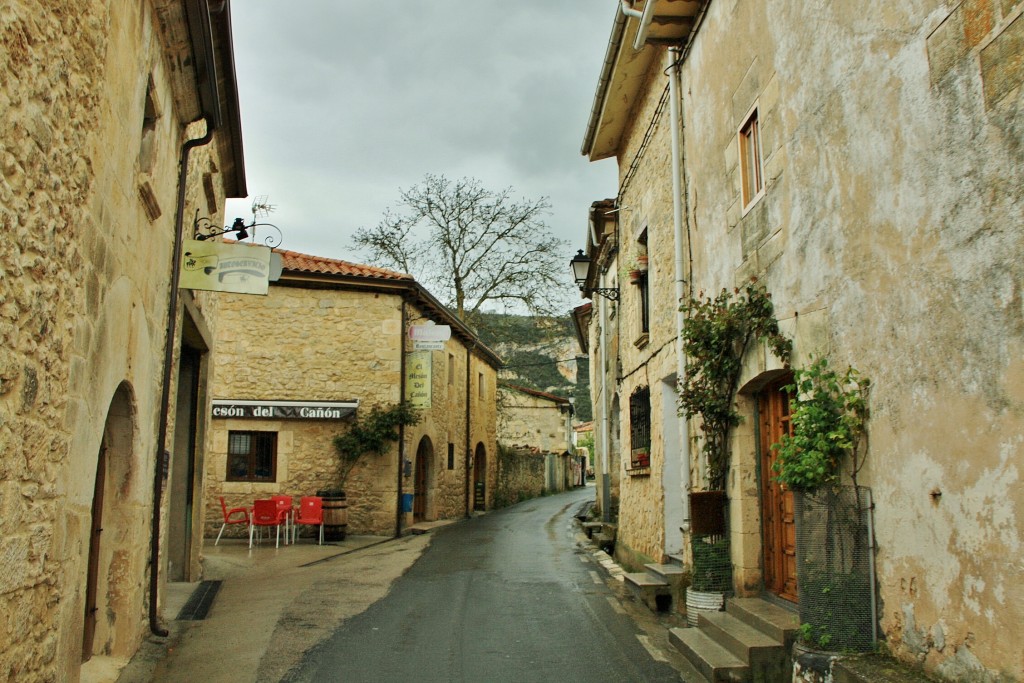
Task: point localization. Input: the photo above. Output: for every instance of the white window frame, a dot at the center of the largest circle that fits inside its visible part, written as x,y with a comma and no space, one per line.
742,147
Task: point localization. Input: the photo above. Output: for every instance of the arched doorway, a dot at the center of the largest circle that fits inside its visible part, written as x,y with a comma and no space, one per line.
424,456
480,478
777,516
111,515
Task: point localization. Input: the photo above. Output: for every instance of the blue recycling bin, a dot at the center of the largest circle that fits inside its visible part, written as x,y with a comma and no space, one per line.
407,502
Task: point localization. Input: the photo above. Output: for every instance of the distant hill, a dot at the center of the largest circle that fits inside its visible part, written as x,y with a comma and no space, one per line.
540,353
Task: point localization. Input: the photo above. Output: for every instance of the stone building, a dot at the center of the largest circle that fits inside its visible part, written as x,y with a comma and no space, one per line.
120,124
332,339
541,422
863,163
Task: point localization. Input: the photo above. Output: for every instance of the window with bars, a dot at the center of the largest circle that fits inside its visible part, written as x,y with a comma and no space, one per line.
640,428
252,456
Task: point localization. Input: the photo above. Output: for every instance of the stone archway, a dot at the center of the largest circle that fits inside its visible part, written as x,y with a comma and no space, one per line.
480,478
421,481
112,563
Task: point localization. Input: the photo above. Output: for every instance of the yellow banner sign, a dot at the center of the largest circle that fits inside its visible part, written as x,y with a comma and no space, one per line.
225,267
418,374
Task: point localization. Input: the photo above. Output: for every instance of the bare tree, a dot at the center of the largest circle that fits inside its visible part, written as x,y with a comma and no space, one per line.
470,246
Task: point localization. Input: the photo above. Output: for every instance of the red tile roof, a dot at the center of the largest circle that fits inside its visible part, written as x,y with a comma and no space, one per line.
294,261
535,392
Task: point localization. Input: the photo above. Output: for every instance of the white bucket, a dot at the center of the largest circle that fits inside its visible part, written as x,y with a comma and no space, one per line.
699,601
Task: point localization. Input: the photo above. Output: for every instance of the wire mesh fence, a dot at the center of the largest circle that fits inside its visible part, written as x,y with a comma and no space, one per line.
712,564
835,574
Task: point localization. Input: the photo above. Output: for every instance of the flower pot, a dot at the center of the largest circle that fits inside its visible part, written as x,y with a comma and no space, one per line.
635,276
707,512
702,601
641,264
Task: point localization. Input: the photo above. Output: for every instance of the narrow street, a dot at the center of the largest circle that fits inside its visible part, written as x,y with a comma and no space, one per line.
508,596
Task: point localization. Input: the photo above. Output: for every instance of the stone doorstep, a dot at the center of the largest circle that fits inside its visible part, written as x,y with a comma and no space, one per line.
747,643
670,573
591,527
677,559
649,589
777,622
713,661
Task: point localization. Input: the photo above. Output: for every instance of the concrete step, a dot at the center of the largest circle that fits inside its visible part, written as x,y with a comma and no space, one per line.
777,622
713,661
672,574
653,591
677,559
765,656
592,527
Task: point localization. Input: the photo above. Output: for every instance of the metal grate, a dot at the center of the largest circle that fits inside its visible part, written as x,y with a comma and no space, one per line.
712,564
835,572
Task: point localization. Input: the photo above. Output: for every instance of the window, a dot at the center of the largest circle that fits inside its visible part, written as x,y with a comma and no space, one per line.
643,289
451,456
480,384
751,172
640,428
451,369
252,456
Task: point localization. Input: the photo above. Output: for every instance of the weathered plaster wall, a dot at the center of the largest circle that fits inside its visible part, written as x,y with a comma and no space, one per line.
889,238
84,272
311,344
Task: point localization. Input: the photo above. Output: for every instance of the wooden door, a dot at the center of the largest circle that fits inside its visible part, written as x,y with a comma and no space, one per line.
89,630
480,478
419,501
779,529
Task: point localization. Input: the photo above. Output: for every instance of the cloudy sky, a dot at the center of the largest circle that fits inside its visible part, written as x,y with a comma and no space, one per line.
345,102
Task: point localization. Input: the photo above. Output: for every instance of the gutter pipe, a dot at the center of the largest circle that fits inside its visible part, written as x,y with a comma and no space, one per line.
675,115
606,484
401,427
645,24
165,387
469,455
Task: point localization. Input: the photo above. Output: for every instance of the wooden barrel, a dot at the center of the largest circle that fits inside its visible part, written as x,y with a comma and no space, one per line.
335,508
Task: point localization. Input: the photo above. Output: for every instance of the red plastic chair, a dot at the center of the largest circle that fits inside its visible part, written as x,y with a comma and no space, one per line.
284,509
311,512
265,514
231,517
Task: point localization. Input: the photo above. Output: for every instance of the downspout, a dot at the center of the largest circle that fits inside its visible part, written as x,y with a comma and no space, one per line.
469,455
606,484
165,387
675,115
401,427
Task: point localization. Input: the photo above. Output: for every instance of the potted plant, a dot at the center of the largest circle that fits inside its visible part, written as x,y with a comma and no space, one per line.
635,275
641,262
716,334
829,416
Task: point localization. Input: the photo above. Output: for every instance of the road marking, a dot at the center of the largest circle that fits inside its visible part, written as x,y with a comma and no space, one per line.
654,653
616,605
596,578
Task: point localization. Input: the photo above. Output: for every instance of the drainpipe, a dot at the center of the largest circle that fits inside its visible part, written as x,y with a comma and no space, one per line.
165,387
606,482
680,276
469,454
401,427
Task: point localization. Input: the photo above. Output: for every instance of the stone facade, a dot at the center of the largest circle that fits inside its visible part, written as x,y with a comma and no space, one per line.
96,103
534,419
333,331
891,167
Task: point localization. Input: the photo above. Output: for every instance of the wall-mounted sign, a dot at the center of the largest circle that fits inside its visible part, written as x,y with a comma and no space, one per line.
418,373
283,410
225,267
427,345
430,332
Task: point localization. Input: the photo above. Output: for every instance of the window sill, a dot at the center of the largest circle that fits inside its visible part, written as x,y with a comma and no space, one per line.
639,471
642,340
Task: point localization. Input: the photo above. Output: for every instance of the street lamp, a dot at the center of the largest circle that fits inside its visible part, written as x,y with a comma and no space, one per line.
580,265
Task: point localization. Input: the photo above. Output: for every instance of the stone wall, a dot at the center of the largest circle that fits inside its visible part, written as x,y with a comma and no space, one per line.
332,344
521,474
528,420
84,276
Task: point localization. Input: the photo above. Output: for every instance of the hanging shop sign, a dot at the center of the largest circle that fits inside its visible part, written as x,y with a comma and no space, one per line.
225,267
430,333
284,410
417,378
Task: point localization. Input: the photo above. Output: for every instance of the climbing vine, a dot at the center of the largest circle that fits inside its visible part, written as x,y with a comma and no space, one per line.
829,412
372,434
716,334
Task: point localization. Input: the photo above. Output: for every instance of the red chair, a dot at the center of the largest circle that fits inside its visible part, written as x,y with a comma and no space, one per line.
232,516
311,512
265,514
284,509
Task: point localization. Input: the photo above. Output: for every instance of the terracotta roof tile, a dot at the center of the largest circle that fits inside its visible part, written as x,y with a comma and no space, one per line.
306,263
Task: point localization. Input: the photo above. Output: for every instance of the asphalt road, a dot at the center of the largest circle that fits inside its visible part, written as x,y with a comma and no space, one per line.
508,596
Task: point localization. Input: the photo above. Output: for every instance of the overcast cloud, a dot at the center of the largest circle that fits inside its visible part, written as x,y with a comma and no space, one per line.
345,102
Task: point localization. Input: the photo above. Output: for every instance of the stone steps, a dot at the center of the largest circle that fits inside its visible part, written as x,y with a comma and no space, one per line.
750,641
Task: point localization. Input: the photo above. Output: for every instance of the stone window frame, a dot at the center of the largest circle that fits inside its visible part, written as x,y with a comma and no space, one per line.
255,438
751,159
